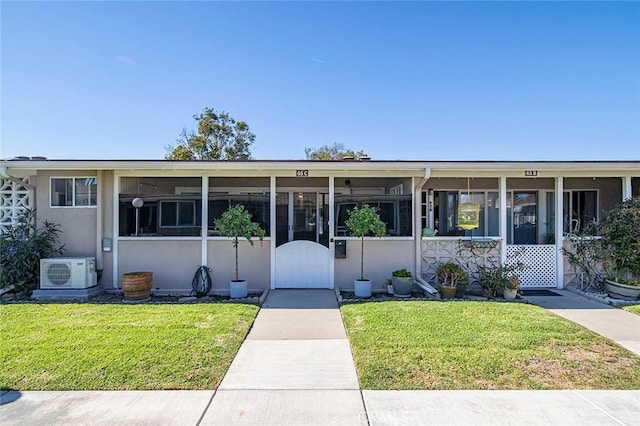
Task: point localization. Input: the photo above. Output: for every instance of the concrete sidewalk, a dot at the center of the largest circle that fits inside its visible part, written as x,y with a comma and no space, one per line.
620,326
321,407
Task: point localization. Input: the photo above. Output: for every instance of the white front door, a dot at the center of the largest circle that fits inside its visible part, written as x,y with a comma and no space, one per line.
302,240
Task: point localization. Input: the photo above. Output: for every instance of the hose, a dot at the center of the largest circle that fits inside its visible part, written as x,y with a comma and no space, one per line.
201,283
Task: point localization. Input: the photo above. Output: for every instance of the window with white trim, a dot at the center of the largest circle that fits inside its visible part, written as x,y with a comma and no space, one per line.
74,192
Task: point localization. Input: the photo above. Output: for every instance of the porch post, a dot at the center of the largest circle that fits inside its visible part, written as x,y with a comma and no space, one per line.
272,229
559,231
503,218
626,188
332,245
116,228
204,221
99,212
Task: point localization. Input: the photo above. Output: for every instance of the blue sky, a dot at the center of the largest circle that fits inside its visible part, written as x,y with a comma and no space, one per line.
427,81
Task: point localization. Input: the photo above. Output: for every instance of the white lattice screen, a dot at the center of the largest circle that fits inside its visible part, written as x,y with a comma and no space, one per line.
436,251
539,261
15,198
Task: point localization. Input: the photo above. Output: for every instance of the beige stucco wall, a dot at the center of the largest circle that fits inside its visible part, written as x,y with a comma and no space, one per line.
381,257
530,184
441,184
78,224
254,264
173,263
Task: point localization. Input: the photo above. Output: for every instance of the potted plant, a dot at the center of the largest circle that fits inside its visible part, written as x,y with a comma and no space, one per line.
511,286
362,222
450,275
402,282
236,223
620,285
500,280
620,232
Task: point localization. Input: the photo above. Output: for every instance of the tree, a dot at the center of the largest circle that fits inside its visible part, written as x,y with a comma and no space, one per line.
337,151
363,222
219,137
236,223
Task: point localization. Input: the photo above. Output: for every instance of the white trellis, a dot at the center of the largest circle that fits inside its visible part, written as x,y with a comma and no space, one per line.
15,198
539,261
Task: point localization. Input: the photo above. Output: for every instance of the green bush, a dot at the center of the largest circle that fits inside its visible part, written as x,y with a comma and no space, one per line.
620,231
21,248
401,273
451,274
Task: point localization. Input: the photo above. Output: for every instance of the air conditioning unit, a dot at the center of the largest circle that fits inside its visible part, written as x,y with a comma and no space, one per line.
68,273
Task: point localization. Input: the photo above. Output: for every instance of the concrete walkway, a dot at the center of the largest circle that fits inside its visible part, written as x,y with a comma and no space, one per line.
620,326
296,368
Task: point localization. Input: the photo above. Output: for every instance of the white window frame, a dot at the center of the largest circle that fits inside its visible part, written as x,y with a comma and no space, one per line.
73,192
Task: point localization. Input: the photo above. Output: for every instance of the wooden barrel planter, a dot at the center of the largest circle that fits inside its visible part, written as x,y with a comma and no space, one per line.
137,285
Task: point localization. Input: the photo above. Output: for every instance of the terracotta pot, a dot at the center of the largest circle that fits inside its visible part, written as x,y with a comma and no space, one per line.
137,285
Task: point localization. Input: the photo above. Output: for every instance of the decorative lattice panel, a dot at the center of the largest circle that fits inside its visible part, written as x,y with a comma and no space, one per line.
539,262
15,198
436,251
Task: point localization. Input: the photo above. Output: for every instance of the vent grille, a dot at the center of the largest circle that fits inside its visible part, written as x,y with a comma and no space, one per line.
59,273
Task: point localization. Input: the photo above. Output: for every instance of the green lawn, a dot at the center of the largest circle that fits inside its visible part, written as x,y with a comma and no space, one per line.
113,346
633,308
481,345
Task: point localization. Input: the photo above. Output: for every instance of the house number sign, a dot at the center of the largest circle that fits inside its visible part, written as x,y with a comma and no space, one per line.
302,173
531,173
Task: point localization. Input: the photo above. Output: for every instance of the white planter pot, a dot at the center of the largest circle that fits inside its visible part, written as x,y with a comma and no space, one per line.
622,291
362,288
238,289
510,294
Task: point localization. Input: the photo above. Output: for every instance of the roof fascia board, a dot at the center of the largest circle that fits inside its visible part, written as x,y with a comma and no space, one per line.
539,173
335,167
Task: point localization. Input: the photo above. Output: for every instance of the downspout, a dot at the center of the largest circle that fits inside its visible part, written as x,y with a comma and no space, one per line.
417,190
5,174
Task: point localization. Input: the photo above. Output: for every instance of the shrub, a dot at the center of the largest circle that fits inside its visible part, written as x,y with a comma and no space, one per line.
451,274
620,231
401,273
21,248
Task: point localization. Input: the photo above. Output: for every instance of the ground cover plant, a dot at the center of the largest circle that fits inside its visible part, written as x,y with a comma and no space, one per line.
480,345
117,346
633,308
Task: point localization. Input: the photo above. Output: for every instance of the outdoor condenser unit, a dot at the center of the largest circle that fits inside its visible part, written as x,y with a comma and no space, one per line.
68,273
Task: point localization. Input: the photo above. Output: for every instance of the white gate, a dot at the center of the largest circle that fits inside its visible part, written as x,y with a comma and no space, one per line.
539,262
302,264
